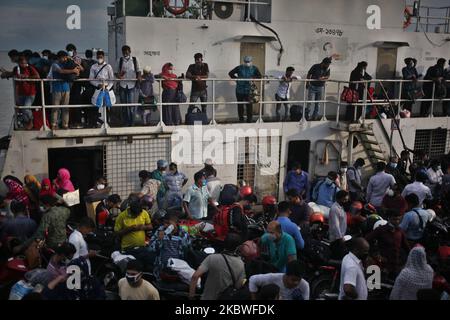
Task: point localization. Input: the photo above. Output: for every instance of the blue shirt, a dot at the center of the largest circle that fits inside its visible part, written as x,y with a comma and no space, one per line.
292,229
325,193
296,181
411,223
174,182
280,250
59,86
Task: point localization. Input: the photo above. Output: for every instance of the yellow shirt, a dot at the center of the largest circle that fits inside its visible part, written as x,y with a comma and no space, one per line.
135,238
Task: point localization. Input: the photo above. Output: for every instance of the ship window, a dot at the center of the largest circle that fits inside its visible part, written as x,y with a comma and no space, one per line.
432,142
124,160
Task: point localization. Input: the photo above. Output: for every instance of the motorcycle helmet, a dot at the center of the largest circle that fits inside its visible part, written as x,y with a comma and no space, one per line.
269,201
245,191
316,217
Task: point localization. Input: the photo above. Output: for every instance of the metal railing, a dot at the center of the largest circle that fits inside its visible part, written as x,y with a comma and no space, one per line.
331,97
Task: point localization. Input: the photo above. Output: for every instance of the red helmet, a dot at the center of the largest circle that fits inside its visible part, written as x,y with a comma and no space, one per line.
246,191
316,217
269,201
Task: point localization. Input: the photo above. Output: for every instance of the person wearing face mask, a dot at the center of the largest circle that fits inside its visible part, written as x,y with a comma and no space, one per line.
196,198
100,72
174,182
53,222
353,284
410,73
103,212
324,193
320,73
288,226
171,113
354,177
158,174
245,71
133,287
435,176
392,243
25,91
436,74
169,241
131,227
378,185
337,222
129,69
196,72
358,74
278,246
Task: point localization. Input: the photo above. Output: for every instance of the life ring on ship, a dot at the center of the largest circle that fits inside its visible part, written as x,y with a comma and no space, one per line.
408,18
175,10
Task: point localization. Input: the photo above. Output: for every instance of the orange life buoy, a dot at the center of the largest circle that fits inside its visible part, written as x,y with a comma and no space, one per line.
408,17
174,10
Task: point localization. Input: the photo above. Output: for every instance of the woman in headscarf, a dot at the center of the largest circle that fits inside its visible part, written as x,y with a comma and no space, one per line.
32,188
62,182
16,190
416,275
47,188
171,113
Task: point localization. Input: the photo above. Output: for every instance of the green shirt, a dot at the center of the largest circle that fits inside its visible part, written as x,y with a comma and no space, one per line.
157,175
54,221
280,250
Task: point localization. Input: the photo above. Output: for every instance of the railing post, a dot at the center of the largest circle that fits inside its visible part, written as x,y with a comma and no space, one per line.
213,121
364,108
432,101
303,121
339,103
161,123
400,98
261,100
151,8
248,11
44,116
105,115
324,98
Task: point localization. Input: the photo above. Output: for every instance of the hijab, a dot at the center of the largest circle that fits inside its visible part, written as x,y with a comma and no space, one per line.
50,192
416,275
63,180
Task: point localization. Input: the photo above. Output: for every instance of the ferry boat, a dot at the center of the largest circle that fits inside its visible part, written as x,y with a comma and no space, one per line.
278,34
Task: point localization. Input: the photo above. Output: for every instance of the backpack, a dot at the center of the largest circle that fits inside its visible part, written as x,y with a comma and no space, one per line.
222,220
296,112
134,63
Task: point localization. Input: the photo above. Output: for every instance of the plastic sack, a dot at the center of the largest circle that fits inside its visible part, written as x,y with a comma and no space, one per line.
183,270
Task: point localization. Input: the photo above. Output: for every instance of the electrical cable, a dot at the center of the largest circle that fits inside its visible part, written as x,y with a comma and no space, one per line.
281,50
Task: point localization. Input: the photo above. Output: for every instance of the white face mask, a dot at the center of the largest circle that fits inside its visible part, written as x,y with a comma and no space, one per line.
100,186
70,53
100,61
45,57
248,64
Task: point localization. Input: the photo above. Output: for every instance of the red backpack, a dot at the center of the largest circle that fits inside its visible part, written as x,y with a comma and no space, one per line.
222,220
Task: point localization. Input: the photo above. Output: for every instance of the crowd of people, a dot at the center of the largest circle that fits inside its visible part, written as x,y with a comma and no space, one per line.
66,66
157,230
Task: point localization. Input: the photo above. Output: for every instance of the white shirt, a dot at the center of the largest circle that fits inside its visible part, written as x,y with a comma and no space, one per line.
76,238
214,186
352,272
260,280
106,73
130,73
284,87
435,177
419,189
337,221
377,187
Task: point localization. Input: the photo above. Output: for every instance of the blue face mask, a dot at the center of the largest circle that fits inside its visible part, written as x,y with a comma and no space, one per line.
204,183
393,165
